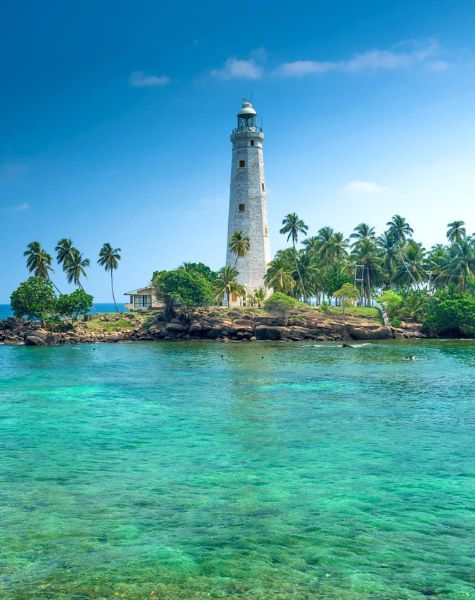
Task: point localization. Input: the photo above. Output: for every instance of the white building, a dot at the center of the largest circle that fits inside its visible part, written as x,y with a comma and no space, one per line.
247,202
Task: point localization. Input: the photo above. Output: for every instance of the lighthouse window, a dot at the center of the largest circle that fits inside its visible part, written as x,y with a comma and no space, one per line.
252,142
263,187
241,253
234,297
242,163
241,208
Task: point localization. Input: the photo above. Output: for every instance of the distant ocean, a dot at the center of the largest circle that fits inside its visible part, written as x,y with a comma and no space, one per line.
101,307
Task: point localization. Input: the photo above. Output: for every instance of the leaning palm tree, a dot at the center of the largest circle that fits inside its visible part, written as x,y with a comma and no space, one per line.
292,226
39,261
456,231
239,245
64,251
76,268
226,284
109,259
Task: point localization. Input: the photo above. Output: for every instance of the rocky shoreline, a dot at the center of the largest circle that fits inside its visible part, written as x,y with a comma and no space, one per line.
209,324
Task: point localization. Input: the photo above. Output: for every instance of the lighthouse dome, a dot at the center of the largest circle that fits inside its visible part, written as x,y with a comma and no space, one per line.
246,109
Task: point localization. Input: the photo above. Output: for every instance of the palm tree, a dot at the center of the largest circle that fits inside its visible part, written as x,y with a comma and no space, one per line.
239,245
461,265
109,259
400,229
388,248
456,231
227,284
414,264
76,268
279,276
368,256
38,261
64,251
362,232
292,226
259,296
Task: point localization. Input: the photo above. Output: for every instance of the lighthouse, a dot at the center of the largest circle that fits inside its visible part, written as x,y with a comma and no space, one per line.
247,203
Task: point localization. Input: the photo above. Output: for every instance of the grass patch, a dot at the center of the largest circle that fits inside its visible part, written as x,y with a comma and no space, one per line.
368,312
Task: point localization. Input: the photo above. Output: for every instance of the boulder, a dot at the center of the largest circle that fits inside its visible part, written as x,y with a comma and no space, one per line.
268,332
173,327
379,332
34,340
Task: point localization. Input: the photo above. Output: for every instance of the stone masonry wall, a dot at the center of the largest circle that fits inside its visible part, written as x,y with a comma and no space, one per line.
248,188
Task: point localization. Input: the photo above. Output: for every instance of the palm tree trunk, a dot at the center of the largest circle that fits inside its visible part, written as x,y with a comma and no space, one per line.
112,287
297,267
54,285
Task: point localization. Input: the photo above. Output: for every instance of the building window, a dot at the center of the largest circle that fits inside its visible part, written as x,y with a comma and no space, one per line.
242,163
142,301
234,297
241,208
263,187
252,142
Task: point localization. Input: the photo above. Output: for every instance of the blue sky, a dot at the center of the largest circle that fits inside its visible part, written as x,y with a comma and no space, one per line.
115,122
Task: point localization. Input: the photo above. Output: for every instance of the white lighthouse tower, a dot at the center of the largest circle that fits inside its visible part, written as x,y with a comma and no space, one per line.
247,202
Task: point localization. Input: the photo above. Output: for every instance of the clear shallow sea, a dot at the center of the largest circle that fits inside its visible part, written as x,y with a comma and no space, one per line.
168,471
6,311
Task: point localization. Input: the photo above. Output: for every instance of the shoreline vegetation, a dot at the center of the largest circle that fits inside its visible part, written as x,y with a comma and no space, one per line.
330,288
247,324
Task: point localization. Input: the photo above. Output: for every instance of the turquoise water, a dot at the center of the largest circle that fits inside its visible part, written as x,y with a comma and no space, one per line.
202,470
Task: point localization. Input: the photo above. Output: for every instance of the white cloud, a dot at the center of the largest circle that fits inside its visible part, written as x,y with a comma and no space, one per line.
140,79
238,69
299,68
366,187
16,208
399,57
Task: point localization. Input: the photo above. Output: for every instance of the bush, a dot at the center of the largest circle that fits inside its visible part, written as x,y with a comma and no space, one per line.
451,312
281,304
391,302
34,299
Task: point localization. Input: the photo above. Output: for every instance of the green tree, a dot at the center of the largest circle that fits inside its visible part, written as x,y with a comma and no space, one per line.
293,226
74,305
202,269
109,259
239,245
227,284
451,312
391,301
279,275
280,304
180,287
34,299
348,295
